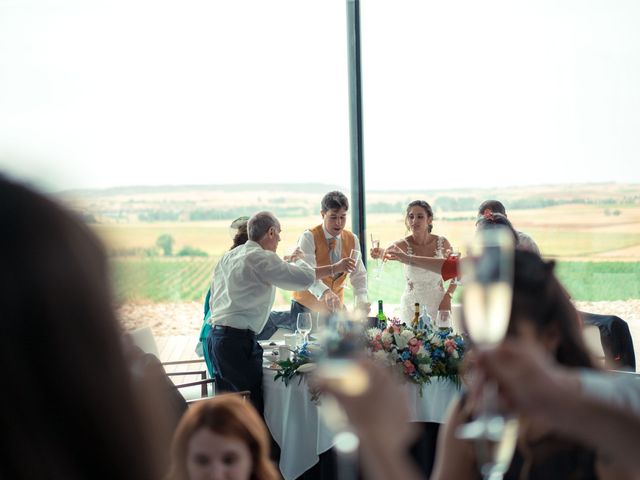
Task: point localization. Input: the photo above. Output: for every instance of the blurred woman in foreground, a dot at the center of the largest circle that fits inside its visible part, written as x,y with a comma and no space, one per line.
222,438
67,410
543,315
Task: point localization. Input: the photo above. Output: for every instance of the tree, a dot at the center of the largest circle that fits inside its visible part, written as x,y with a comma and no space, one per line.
165,242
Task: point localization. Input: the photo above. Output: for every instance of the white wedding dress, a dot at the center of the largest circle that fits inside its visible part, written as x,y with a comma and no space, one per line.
423,286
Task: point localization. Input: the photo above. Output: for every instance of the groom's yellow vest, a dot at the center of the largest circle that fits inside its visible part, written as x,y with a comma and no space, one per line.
322,259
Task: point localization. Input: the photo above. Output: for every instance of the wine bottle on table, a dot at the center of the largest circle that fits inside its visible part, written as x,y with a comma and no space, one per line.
382,318
416,316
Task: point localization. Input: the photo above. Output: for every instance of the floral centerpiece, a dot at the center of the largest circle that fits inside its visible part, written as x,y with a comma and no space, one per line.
419,354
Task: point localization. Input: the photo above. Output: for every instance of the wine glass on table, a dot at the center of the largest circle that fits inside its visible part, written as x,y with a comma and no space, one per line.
304,325
486,303
443,319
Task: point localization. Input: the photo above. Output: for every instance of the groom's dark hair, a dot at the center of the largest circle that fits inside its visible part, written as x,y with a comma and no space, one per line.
334,201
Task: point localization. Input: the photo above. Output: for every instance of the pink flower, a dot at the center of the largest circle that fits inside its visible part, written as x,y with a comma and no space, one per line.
414,346
409,367
376,345
450,345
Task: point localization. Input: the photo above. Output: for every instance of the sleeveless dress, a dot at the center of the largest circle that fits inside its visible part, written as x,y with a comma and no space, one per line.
423,286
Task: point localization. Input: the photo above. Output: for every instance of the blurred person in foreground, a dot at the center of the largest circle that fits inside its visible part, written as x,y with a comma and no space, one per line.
221,438
323,245
524,241
565,415
542,315
245,284
68,408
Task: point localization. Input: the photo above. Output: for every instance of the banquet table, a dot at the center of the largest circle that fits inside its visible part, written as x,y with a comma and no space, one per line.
298,428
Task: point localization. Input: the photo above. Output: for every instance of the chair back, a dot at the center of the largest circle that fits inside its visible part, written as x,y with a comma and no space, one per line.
143,339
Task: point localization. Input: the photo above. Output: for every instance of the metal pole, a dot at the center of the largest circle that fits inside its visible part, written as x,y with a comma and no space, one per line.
358,224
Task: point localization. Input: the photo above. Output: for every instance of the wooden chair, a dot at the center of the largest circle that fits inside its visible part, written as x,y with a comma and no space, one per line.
202,387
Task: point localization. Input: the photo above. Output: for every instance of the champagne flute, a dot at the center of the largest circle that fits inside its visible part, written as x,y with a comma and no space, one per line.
355,256
342,341
304,325
380,265
375,244
487,294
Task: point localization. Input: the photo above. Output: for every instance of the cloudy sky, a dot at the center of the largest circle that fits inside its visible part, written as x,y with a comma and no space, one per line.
100,93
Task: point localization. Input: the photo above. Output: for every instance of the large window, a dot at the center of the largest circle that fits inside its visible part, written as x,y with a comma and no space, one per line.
534,104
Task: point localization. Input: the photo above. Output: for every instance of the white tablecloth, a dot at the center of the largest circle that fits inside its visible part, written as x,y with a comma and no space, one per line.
301,434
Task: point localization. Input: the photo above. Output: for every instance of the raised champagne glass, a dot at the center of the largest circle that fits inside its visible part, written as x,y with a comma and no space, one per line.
486,300
342,342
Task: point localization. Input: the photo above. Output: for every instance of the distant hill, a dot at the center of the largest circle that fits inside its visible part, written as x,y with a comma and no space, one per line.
216,202
234,187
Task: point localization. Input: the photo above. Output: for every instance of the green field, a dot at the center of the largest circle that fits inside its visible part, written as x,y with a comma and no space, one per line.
598,256
173,280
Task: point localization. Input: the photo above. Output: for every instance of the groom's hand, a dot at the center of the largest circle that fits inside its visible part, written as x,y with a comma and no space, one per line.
330,299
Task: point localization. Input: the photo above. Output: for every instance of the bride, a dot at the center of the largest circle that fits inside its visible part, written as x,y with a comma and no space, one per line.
424,286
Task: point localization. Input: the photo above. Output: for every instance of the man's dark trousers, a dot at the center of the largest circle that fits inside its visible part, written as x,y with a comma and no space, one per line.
237,360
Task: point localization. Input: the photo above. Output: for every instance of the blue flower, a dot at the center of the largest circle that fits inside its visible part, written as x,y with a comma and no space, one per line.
405,356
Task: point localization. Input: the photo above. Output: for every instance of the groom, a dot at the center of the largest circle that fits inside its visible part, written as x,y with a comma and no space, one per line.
325,244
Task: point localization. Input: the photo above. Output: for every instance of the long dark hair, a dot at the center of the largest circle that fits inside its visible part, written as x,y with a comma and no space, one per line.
67,410
425,206
539,298
230,416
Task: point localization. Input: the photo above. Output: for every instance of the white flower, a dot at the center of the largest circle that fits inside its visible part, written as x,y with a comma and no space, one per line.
372,333
401,340
381,356
386,337
393,354
455,354
422,351
436,341
425,368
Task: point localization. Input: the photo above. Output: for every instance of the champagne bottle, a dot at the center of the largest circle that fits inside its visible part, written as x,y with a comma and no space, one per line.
416,316
382,318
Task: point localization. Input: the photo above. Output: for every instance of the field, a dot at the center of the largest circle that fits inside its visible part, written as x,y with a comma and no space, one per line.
598,255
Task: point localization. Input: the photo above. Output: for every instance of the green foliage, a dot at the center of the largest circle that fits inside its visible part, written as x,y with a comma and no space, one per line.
188,251
165,242
600,281
162,279
159,216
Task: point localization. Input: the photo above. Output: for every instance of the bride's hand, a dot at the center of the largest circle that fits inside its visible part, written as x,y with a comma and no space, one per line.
376,253
394,252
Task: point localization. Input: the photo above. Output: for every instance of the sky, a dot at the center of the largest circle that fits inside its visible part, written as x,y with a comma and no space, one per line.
97,93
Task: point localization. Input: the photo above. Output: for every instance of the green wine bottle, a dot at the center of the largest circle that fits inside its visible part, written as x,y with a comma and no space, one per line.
382,318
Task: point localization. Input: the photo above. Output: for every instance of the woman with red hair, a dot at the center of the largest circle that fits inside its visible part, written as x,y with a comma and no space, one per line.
222,438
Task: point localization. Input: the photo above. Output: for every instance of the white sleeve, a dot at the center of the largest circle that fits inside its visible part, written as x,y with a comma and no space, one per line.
620,389
307,244
359,277
289,276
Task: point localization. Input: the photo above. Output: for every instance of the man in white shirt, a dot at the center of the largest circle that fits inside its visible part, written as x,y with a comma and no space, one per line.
324,244
242,296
